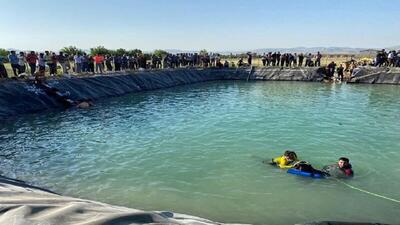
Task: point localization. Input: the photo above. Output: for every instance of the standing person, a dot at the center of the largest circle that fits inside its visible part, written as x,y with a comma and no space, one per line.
264,60
282,60
78,63
32,59
90,64
13,59
340,72
318,59
295,60
42,63
309,60
108,63
331,69
99,60
62,60
398,58
287,60
269,58
117,62
273,58
278,58
53,68
48,60
3,71
124,63
390,57
21,63
249,58
84,63
67,62
301,58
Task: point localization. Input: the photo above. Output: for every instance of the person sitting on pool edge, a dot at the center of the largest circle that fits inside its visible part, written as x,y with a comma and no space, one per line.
341,169
285,161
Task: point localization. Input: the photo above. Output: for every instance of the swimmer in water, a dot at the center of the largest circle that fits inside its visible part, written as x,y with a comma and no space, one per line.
341,169
285,161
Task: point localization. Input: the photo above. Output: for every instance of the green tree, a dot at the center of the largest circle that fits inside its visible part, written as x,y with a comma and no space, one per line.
99,50
72,50
134,52
3,54
160,53
147,56
121,52
203,52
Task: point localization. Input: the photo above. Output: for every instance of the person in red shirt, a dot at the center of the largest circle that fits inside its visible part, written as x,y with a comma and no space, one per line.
32,58
99,61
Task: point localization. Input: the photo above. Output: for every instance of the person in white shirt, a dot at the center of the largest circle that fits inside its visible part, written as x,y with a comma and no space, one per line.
78,63
21,62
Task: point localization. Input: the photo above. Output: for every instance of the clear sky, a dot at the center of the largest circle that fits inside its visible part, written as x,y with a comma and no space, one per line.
198,24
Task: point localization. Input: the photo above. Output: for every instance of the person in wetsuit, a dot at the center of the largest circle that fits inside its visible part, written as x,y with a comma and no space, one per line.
341,169
306,167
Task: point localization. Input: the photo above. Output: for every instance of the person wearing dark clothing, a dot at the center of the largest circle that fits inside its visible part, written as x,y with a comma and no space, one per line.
53,67
264,60
84,63
91,64
318,59
282,60
240,62
301,58
3,71
117,63
340,72
249,58
331,69
306,167
287,59
108,63
58,95
226,64
294,57
273,59
124,62
278,58
341,169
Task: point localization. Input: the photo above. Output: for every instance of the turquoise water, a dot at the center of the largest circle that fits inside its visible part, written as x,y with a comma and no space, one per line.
197,150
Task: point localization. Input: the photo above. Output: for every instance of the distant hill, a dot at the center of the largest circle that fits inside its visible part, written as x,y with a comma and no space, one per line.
323,50
397,47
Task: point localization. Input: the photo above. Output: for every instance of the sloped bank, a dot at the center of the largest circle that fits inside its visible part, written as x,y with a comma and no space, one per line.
19,97
25,204
376,75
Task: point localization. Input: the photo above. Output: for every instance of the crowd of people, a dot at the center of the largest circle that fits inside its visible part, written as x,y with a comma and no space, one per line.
99,63
383,58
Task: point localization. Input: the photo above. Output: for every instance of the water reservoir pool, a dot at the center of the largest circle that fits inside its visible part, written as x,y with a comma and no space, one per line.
197,149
